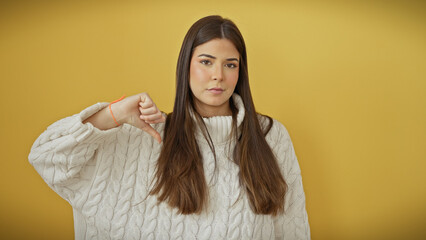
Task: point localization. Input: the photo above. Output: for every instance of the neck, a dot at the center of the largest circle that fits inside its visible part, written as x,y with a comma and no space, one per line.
213,111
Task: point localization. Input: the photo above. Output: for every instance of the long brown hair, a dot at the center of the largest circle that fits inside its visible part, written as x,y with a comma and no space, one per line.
180,179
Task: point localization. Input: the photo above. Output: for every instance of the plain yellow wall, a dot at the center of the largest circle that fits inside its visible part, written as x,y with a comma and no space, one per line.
347,80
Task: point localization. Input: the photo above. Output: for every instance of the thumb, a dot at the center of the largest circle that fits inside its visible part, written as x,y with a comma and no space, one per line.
151,131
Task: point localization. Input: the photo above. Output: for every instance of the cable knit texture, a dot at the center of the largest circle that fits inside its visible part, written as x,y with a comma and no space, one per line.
106,177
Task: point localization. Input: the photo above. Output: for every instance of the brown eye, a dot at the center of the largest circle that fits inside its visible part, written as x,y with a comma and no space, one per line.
231,65
205,62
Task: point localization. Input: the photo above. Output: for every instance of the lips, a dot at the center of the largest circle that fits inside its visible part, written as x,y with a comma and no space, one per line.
215,90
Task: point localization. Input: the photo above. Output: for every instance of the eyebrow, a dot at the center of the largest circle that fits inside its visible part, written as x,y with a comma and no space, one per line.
210,56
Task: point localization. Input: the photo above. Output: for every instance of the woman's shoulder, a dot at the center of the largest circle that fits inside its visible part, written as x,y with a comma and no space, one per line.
274,129
275,125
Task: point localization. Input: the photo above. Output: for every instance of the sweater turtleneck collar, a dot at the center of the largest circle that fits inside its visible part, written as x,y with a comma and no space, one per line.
219,127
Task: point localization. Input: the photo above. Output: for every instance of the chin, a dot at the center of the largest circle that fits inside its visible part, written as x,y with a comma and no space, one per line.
217,100
215,103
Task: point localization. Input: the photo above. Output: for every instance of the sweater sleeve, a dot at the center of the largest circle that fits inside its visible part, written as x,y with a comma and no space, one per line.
66,149
293,223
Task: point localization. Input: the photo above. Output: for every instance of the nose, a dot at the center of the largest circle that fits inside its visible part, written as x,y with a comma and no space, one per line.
217,73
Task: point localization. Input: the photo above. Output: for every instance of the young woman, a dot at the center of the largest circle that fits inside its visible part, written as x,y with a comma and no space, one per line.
211,169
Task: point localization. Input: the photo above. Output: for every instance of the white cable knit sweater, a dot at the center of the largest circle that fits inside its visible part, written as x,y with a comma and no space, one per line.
105,176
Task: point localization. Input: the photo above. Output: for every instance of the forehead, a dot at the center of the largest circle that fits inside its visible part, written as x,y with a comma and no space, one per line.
218,48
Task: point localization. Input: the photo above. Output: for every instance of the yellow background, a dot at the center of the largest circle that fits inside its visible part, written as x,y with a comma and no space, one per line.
348,80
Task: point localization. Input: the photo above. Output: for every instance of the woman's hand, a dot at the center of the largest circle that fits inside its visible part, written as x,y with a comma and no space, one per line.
139,111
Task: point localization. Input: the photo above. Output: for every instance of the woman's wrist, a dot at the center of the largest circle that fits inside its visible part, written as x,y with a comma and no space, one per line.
104,119
117,113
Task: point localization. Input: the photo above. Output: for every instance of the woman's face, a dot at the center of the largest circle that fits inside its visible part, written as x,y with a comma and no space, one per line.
213,76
